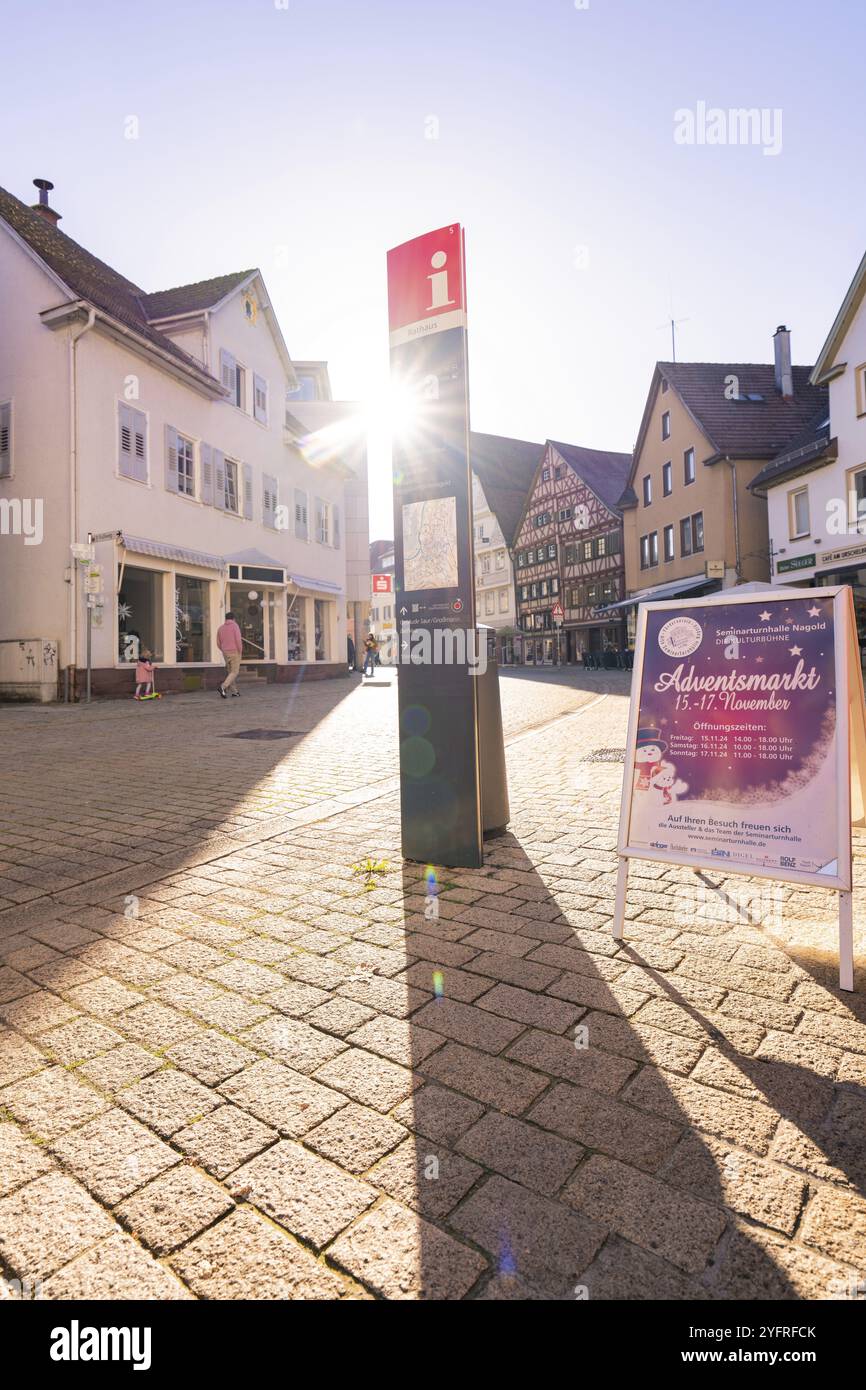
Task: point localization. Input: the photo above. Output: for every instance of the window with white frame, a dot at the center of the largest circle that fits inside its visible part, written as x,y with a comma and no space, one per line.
185,466
231,485
323,521
503,600
798,512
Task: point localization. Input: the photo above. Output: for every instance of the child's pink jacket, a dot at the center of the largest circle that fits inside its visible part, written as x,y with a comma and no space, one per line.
144,672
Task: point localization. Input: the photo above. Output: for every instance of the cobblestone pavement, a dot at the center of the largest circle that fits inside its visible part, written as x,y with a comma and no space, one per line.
235,1064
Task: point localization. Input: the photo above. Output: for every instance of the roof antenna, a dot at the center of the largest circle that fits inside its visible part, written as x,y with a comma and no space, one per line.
674,323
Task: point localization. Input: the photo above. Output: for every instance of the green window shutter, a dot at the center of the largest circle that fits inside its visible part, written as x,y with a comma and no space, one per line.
170,458
219,480
6,440
206,474
228,371
260,399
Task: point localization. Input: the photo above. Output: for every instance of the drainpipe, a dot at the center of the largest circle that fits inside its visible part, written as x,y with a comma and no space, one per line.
737,566
73,486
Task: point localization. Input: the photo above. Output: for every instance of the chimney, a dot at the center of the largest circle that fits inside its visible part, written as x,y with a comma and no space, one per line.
784,371
42,207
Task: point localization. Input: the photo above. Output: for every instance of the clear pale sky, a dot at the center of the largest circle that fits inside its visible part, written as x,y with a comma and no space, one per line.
294,139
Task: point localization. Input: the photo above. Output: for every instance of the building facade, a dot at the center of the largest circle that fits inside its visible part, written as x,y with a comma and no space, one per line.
383,609
568,554
816,489
502,473
691,522
182,467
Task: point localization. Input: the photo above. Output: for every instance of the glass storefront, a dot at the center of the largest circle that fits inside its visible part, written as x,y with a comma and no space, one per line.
139,613
254,614
321,611
192,618
296,621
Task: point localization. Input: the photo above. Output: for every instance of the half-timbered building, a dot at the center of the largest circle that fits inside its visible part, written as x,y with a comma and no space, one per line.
568,554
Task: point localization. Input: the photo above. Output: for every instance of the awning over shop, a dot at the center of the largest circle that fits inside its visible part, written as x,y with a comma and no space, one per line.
324,586
675,588
164,550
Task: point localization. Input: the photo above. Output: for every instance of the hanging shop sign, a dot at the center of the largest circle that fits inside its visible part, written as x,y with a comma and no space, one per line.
747,741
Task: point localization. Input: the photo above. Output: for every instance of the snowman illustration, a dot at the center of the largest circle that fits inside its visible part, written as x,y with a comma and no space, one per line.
666,785
649,753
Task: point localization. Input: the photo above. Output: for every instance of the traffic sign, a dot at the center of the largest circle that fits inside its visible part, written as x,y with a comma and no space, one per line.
558,614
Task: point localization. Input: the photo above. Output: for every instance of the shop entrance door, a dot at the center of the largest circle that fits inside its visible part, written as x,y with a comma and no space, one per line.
254,611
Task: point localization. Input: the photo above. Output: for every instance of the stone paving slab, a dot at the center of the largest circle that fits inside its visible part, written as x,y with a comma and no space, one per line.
233,1064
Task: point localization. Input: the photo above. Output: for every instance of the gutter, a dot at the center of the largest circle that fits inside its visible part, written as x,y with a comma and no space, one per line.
73,486
738,568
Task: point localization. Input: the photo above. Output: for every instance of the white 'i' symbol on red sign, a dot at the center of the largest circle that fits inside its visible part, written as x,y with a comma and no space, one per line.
439,282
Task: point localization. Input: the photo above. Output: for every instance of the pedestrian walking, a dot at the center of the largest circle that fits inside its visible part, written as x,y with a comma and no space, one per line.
350,651
231,645
143,676
371,651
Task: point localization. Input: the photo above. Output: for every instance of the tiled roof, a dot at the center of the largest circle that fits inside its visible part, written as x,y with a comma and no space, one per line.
186,299
605,472
811,448
87,277
505,469
740,427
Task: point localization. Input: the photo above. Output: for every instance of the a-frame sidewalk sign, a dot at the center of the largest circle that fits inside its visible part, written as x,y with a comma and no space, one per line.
746,746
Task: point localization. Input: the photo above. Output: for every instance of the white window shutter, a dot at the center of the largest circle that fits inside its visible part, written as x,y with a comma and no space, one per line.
170,458
269,501
125,442
260,399
139,446
6,440
218,480
206,474
248,491
228,371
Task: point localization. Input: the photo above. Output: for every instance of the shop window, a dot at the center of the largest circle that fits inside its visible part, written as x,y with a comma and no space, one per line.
192,618
297,629
321,607
139,613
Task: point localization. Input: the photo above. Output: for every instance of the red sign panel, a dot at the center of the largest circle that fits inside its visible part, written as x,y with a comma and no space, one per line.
557,613
426,285
381,583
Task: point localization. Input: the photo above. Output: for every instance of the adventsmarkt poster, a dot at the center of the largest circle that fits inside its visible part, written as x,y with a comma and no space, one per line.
733,750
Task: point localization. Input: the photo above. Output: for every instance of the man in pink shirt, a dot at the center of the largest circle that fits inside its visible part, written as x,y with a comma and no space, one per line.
231,644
